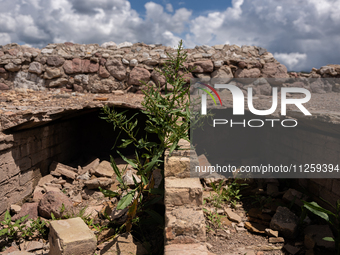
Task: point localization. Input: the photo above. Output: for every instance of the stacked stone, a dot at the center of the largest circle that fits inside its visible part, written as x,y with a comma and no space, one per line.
111,67
328,71
312,81
184,220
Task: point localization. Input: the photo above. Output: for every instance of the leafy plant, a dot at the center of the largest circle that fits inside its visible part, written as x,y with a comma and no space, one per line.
10,230
19,229
37,225
214,220
231,194
168,117
330,217
98,227
53,217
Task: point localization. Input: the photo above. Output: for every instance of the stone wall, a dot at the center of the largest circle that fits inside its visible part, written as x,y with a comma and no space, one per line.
307,147
26,155
113,67
185,229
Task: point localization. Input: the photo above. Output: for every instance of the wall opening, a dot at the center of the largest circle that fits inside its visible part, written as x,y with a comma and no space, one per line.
74,139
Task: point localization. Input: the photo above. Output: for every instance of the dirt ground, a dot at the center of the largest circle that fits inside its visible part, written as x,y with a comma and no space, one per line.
232,238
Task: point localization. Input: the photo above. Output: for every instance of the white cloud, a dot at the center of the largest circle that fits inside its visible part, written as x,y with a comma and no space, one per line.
4,38
39,22
291,60
309,27
301,33
169,7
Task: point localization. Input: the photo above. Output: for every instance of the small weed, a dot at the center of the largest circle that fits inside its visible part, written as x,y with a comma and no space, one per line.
231,194
19,230
97,226
37,225
11,230
214,219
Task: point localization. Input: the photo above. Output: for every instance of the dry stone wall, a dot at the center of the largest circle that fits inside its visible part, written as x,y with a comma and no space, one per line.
185,229
26,156
110,67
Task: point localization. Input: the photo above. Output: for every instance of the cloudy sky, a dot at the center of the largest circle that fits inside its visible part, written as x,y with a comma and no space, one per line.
300,33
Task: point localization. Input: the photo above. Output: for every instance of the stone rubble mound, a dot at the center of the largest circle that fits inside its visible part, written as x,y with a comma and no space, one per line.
120,67
68,193
110,67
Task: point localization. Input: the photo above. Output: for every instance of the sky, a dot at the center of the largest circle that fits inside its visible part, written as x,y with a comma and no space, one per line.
300,33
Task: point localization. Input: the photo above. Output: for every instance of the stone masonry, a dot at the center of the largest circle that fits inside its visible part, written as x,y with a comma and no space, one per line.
111,67
185,231
26,156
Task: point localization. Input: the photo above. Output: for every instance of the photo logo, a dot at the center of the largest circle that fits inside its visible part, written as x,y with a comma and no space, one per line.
204,97
238,100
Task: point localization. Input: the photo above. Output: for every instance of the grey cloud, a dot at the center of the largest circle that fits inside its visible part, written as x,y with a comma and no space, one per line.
90,7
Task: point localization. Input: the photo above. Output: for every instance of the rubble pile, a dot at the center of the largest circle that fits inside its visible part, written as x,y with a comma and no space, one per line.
71,193
273,216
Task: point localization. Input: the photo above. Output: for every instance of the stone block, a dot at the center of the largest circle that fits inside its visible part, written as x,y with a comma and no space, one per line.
124,245
285,222
5,146
9,185
232,215
8,171
40,156
3,205
294,195
325,183
58,169
24,163
186,249
90,167
180,192
30,209
30,175
104,169
185,225
71,237
6,138
177,167
316,233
